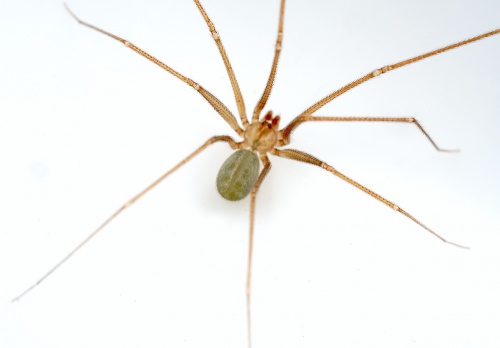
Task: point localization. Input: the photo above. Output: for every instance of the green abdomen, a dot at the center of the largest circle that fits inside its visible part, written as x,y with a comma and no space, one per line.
238,174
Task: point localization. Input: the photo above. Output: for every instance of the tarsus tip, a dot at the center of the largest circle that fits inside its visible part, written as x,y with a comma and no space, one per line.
458,245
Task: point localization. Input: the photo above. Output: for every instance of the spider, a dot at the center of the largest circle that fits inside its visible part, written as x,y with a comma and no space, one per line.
260,136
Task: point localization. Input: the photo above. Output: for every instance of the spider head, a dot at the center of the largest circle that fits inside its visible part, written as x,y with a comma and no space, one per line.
262,135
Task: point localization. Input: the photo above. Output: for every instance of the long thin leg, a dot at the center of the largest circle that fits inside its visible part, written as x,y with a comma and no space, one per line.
209,142
221,109
306,158
232,77
371,119
292,125
277,50
253,195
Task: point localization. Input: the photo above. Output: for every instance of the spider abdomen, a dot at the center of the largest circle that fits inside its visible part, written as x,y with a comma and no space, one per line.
237,175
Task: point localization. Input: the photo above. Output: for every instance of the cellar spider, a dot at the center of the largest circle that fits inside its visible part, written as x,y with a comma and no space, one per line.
262,136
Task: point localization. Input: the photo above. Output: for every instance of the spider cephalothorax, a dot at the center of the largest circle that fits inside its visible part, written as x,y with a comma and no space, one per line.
262,136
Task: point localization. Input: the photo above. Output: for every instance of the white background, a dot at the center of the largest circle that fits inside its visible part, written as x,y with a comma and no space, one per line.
86,123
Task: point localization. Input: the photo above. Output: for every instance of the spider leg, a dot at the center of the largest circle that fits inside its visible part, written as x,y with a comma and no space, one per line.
253,195
209,142
372,119
277,50
221,109
295,122
307,158
232,77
